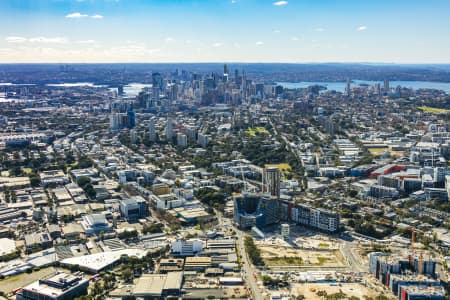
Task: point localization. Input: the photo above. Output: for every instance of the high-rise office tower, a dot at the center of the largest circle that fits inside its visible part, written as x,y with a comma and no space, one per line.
348,87
120,90
173,92
271,181
181,140
203,139
151,130
133,136
155,95
386,86
378,88
114,121
157,86
225,73
157,80
131,117
439,174
169,129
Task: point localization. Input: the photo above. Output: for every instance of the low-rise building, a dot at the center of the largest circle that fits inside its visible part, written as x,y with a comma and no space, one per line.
53,178
95,224
38,241
182,247
55,287
167,265
133,208
150,286
197,263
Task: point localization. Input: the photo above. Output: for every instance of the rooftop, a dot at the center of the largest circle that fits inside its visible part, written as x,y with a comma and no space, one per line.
156,284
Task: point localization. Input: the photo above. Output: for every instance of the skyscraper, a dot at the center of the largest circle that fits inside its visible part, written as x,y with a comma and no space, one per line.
157,80
271,181
169,129
114,121
133,136
157,86
348,87
120,90
225,73
386,86
151,130
181,140
131,117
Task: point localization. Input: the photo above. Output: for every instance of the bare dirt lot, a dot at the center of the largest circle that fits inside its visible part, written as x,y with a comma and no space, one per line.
284,256
309,290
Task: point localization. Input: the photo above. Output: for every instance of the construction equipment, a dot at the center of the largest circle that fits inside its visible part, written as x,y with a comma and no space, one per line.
411,254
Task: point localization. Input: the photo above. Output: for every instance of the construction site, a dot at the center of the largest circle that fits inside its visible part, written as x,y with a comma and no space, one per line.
277,255
408,276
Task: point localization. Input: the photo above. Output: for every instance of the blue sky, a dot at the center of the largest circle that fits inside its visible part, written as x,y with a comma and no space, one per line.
399,31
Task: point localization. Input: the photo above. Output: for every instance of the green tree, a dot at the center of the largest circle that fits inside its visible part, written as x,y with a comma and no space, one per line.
35,180
127,275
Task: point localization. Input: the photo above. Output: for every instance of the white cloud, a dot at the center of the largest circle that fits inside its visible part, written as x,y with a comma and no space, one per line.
236,45
86,42
170,40
280,3
361,28
320,29
217,45
295,39
233,1
259,43
47,40
97,16
276,31
38,39
15,39
76,15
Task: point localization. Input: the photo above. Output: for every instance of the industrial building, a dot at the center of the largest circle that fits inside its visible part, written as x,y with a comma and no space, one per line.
55,287
151,286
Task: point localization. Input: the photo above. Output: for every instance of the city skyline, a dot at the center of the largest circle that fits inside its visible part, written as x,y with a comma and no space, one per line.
89,31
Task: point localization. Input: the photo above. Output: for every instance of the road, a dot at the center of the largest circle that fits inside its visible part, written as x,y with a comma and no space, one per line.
288,144
248,269
353,260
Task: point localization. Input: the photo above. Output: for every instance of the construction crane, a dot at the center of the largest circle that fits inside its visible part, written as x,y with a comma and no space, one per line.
420,267
411,255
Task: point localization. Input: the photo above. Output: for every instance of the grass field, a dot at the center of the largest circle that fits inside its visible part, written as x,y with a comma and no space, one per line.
434,110
283,261
11,283
281,167
257,130
377,151
380,151
27,170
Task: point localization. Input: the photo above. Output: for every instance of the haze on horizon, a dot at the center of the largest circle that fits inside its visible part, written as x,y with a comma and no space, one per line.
294,31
